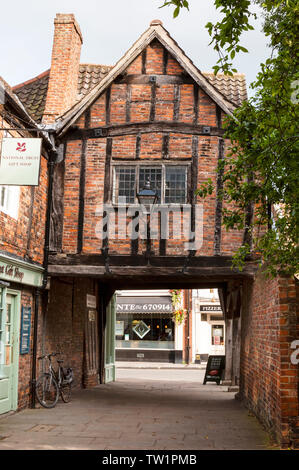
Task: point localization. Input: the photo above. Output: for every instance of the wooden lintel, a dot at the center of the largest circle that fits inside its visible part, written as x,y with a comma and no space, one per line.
159,274
137,265
143,128
139,260
141,79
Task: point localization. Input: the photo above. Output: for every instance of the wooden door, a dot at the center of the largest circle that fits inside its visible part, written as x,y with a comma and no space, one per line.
110,341
9,350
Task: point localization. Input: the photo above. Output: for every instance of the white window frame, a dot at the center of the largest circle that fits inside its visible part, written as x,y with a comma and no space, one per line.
9,200
163,166
3,291
10,204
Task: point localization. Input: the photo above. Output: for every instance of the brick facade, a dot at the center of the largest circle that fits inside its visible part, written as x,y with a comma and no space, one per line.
22,234
65,327
269,381
155,110
131,103
62,88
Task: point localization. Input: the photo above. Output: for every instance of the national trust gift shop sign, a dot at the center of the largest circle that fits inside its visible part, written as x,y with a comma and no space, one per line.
20,161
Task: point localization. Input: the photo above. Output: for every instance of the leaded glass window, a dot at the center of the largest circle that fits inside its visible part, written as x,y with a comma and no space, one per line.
168,180
154,175
124,187
175,185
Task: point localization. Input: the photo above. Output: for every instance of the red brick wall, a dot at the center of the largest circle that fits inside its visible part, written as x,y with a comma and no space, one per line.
15,237
63,80
269,381
64,325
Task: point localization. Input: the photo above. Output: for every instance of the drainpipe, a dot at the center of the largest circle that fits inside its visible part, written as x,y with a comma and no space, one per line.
188,326
51,162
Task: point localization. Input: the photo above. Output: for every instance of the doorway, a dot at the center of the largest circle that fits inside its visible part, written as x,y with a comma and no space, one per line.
9,349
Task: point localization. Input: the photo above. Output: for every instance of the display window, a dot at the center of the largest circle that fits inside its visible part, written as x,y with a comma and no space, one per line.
217,335
140,330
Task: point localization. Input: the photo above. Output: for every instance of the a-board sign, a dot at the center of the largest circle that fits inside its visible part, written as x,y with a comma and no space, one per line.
215,369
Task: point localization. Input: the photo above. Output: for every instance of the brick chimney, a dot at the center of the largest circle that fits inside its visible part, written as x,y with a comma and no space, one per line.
63,79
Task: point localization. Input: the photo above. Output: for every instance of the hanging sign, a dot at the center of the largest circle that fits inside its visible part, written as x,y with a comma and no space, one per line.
20,161
25,330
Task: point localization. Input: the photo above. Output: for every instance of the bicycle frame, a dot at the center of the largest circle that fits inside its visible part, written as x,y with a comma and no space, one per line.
52,378
56,375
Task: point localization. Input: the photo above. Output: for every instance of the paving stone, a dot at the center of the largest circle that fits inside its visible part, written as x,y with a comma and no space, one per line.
162,410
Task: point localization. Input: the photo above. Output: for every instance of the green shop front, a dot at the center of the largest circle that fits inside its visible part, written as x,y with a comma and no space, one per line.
145,330
18,283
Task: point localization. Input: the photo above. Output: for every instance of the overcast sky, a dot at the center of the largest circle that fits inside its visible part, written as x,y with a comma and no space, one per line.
109,28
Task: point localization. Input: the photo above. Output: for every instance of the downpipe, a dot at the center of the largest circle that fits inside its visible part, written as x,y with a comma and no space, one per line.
39,290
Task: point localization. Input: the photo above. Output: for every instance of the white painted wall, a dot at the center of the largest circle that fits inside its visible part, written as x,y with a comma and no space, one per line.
202,330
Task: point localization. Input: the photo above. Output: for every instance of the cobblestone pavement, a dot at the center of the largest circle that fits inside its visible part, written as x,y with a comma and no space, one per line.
144,409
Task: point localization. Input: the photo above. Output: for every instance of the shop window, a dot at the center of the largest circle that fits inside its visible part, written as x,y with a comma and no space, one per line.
217,335
169,181
144,331
2,329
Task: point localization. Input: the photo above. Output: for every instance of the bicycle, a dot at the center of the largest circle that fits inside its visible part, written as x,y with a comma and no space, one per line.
52,383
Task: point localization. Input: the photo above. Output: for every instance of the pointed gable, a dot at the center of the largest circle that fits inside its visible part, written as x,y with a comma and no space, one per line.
150,48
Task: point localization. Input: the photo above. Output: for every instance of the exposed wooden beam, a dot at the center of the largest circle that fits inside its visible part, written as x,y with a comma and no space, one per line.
96,259
128,103
144,128
140,79
176,105
153,103
81,197
218,210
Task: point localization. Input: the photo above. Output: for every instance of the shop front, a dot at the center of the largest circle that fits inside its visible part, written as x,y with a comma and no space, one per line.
208,326
17,282
145,330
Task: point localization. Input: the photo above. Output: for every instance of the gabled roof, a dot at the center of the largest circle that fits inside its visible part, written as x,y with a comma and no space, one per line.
90,75
21,112
155,31
93,79
33,94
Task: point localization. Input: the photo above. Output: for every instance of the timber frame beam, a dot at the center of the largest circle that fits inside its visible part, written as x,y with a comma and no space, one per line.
158,269
116,130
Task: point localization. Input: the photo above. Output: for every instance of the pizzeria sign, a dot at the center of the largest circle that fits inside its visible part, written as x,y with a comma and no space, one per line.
20,161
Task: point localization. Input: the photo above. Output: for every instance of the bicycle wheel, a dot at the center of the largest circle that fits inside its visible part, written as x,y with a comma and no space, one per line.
46,390
65,392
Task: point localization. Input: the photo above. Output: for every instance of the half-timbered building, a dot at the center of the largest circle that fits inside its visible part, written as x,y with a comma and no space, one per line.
153,121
